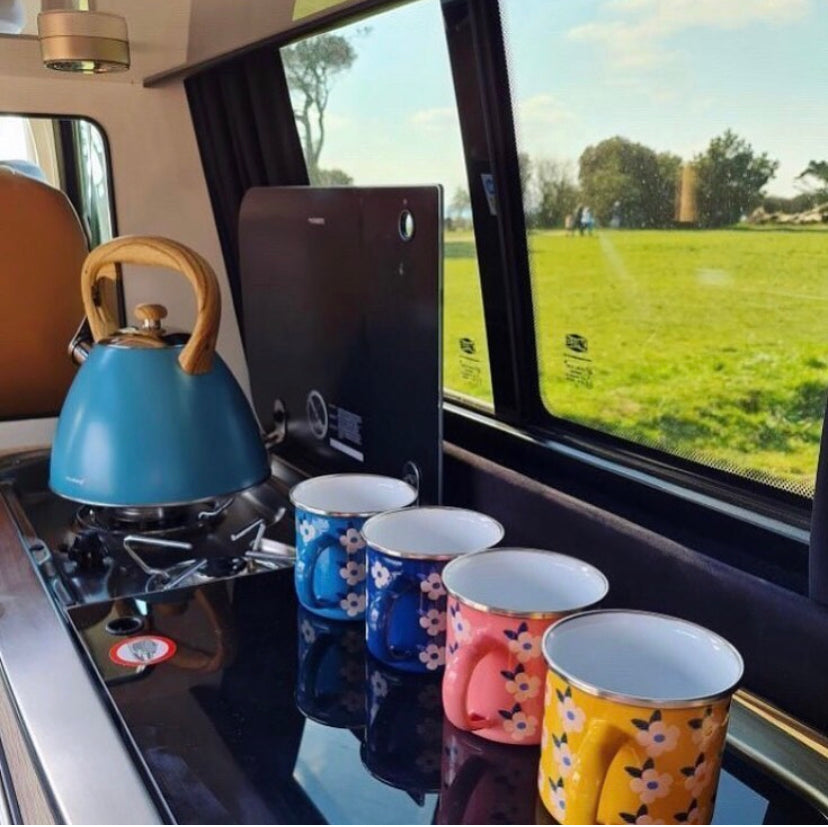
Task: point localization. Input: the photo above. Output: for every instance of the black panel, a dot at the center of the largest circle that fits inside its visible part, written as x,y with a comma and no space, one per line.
342,318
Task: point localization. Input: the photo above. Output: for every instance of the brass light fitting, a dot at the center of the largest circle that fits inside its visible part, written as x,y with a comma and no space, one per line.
89,42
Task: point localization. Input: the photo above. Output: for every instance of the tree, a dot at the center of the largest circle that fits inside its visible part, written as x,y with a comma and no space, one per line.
817,171
332,178
731,178
557,193
310,68
640,180
460,207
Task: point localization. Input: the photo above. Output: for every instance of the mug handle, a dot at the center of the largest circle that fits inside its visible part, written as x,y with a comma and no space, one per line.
386,599
305,585
457,679
602,742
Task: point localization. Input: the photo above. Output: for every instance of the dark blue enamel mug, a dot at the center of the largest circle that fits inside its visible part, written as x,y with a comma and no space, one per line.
403,738
406,600
330,511
330,683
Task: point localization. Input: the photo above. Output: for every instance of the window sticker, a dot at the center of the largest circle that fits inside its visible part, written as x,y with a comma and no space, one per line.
142,650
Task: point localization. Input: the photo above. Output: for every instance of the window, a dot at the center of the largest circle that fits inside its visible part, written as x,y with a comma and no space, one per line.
385,114
676,202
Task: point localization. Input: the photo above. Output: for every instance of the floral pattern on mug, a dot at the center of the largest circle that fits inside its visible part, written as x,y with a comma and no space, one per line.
379,686
459,624
558,799
433,621
520,684
641,816
517,723
380,574
648,783
433,656
353,604
523,643
352,572
307,631
689,816
706,728
433,587
572,717
351,539
698,776
656,736
561,755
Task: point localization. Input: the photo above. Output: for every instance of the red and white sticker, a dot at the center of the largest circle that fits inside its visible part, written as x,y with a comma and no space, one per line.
142,650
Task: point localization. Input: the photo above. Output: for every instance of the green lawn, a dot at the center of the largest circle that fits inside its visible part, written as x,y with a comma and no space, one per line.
709,344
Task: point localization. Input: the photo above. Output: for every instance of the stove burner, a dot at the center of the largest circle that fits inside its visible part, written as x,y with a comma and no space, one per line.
152,520
88,551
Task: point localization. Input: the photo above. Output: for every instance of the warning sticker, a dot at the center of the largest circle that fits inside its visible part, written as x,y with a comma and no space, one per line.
347,426
143,650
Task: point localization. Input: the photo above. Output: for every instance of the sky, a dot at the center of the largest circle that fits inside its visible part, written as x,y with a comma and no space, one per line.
671,74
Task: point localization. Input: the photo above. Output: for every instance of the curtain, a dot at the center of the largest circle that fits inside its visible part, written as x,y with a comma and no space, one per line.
247,137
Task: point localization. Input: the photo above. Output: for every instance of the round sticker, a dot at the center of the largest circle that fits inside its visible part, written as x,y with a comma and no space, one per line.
317,411
143,650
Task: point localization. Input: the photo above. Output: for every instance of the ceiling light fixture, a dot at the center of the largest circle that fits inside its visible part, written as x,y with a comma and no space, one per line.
90,42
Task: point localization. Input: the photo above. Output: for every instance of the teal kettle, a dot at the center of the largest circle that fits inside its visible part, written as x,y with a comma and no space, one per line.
151,418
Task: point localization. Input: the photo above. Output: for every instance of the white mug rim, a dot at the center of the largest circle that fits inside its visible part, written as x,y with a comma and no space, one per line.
421,555
531,614
293,496
637,700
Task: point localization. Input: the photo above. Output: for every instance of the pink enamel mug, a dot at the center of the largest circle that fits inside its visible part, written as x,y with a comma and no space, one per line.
500,603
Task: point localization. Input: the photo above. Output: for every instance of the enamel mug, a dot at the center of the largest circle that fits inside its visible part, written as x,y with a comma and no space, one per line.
500,602
636,714
330,550
407,552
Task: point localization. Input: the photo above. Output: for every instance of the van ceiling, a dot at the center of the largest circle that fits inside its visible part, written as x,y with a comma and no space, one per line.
170,35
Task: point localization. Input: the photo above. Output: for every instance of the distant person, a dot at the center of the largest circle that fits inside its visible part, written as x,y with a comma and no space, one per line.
615,221
587,221
579,219
569,224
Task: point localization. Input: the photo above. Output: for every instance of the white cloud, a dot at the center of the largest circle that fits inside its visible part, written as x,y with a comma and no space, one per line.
542,110
633,32
435,119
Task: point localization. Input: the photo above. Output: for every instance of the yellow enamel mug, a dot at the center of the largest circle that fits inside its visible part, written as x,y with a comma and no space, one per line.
635,714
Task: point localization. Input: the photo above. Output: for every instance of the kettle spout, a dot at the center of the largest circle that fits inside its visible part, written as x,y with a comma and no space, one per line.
81,344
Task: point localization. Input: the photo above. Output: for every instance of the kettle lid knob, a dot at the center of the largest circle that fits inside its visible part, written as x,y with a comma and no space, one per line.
150,316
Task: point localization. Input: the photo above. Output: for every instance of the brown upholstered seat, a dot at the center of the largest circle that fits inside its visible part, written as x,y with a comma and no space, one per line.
42,249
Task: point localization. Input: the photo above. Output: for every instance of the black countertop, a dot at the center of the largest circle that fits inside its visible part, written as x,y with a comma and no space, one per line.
268,714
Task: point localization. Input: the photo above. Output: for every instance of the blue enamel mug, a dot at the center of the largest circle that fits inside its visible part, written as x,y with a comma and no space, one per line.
330,511
407,552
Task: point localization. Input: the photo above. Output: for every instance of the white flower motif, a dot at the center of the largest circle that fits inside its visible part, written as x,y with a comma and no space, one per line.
701,777
433,656
562,756
308,632
572,716
523,686
381,575
526,647
352,572
353,604
644,818
379,686
352,541
651,785
521,726
307,530
704,735
433,621
462,631
658,737
558,802
433,586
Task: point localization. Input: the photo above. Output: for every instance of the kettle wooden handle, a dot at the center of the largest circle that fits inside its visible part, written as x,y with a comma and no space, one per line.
154,251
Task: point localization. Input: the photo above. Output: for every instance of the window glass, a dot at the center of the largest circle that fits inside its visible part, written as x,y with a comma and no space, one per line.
371,110
678,222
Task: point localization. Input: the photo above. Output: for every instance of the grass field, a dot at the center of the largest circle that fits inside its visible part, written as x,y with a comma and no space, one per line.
708,344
